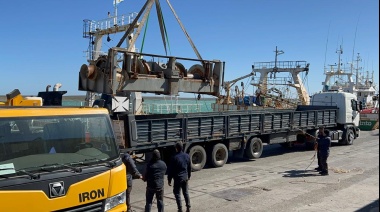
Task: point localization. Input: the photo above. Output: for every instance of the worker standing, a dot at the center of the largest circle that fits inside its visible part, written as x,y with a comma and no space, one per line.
324,143
258,96
154,176
132,173
180,172
316,148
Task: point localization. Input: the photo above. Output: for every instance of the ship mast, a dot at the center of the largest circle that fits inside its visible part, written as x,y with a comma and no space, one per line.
96,30
358,59
272,68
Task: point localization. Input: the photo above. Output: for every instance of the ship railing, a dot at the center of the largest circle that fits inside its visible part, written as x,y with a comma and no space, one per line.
171,108
334,70
111,21
280,64
73,103
276,81
89,54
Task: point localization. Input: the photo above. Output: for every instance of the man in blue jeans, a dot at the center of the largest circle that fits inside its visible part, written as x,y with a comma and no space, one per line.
154,176
180,172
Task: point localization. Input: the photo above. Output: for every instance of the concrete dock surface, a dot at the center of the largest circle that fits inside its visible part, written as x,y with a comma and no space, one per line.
284,180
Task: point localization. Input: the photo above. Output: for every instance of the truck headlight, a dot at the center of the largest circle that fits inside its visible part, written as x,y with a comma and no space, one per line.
114,201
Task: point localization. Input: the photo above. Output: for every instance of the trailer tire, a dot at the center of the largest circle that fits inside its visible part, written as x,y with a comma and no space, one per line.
219,155
254,148
348,137
198,157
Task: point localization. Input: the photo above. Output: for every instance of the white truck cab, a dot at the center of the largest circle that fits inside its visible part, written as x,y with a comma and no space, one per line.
347,117
347,104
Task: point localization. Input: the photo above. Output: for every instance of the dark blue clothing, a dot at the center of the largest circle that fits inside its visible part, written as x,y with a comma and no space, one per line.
324,144
180,171
154,174
132,172
149,195
180,167
184,186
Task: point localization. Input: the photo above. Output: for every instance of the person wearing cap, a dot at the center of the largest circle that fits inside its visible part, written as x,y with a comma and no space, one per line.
324,143
154,176
180,172
132,173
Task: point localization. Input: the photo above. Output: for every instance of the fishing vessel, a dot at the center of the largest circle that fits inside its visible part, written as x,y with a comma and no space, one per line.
276,84
369,118
341,78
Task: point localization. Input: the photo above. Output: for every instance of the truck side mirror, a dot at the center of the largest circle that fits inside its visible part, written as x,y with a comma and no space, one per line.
354,105
361,104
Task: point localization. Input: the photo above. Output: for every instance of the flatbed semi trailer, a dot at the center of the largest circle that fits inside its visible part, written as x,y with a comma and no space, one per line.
210,137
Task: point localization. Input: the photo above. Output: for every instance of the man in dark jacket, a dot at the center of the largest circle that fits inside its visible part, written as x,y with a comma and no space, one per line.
132,173
324,143
180,172
154,176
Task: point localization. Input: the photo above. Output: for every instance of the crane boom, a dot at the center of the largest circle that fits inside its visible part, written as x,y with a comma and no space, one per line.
227,87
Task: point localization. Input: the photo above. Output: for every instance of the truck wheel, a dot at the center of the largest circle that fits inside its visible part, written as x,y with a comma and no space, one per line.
197,157
254,148
219,155
348,137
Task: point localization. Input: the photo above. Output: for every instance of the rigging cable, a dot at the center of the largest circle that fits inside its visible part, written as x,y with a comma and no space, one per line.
143,40
165,31
353,49
327,41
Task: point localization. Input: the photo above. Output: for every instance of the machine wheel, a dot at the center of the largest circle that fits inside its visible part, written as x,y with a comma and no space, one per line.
198,157
254,148
348,137
219,155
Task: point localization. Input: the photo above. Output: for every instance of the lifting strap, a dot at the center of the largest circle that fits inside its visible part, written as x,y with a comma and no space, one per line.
143,40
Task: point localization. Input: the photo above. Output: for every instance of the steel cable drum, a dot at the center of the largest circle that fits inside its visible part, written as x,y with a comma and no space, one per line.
101,64
198,71
140,67
146,67
89,72
181,69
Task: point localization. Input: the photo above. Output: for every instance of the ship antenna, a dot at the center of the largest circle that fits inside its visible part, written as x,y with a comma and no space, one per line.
373,72
327,41
353,49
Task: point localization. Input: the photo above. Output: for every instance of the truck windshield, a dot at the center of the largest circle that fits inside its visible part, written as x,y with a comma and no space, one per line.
35,141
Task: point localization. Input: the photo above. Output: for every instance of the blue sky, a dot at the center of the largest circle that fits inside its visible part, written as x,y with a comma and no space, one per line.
41,41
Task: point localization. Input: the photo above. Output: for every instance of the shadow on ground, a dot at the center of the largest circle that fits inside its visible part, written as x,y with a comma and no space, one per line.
300,173
372,207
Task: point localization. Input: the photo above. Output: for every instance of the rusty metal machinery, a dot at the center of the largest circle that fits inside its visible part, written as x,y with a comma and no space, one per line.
122,71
